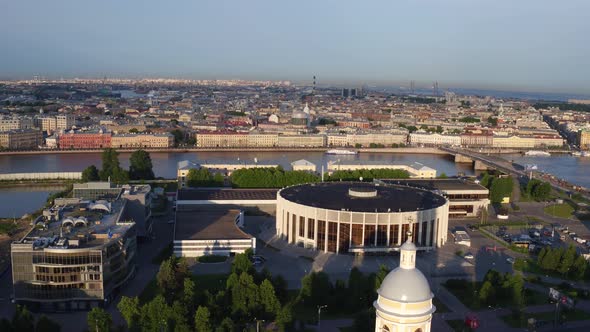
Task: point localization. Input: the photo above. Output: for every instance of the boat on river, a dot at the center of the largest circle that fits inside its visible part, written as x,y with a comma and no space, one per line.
535,153
341,152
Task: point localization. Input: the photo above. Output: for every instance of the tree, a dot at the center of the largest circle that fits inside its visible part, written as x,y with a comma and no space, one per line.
44,324
443,176
130,310
99,320
155,315
133,131
189,293
226,325
244,295
140,166
268,298
284,317
486,293
580,267
178,136
493,121
166,277
111,167
381,274
567,261
23,320
241,264
202,323
90,174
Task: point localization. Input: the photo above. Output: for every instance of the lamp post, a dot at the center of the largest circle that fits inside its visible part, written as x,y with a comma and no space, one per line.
258,324
320,307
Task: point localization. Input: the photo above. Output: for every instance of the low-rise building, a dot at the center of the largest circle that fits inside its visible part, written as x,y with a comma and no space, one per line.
416,170
300,141
303,165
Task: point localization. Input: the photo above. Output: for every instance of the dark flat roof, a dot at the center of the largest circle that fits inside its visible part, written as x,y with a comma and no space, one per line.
204,194
334,196
438,184
208,225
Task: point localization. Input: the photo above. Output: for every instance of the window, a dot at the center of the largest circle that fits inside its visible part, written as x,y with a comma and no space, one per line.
332,236
321,235
357,235
310,228
301,226
393,235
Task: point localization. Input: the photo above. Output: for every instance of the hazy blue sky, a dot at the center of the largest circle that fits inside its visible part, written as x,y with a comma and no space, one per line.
508,44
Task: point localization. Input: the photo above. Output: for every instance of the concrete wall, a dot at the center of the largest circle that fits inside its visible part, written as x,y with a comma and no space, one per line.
41,176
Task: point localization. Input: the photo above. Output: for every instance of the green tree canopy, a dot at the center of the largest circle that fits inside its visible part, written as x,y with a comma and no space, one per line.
111,167
202,317
99,320
44,324
130,310
202,177
23,320
90,174
270,178
140,166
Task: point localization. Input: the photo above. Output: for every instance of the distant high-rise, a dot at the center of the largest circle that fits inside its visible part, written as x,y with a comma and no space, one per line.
345,92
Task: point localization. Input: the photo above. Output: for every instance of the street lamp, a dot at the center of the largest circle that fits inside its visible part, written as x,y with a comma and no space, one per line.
258,323
320,307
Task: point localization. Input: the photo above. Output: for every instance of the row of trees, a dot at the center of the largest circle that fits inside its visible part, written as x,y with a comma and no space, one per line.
23,321
140,168
203,178
183,305
499,187
270,178
563,261
368,175
537,189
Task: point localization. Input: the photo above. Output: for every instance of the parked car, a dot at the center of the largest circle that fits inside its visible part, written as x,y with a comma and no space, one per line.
468,256
510,260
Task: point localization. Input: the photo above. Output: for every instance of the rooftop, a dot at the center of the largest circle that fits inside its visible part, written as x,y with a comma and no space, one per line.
83,224
208,225
438,184
210,194
387,198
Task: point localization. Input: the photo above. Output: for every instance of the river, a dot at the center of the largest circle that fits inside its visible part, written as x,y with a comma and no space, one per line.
18,201
573,169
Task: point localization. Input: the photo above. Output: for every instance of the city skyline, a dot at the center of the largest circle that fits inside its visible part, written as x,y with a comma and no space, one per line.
525,46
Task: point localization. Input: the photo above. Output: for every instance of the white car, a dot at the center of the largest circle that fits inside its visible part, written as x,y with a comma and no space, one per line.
468,256
510,260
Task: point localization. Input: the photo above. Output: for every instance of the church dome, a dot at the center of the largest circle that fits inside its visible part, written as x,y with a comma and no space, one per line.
405,285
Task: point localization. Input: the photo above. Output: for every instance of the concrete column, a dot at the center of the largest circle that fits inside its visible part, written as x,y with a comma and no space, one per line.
364,217
376,228
399,232
388,228
428,228
338,238
419,238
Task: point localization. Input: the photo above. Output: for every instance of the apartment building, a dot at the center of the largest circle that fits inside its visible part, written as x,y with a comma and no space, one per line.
122,141
434,139
300,141
21,139
85,140
366,139
221,139
15,123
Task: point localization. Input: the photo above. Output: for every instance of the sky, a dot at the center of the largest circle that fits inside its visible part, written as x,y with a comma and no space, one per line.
534,45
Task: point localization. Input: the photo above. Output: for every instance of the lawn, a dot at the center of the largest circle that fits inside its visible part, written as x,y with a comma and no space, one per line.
522,320
467,294
211,282
564,210
212,259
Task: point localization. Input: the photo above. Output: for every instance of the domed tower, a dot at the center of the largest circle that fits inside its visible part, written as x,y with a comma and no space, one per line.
404,303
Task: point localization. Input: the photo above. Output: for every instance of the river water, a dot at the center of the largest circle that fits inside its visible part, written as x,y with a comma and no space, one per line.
17,201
